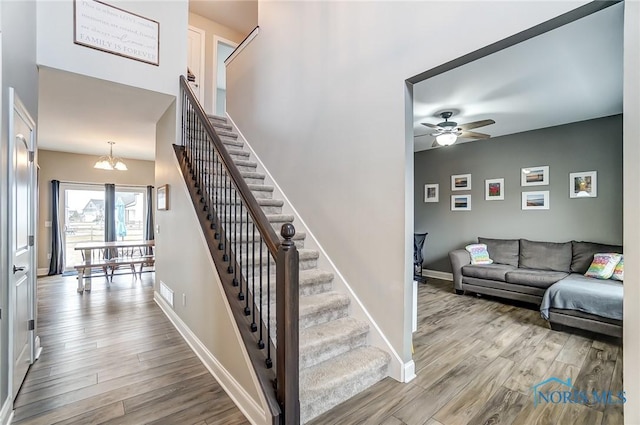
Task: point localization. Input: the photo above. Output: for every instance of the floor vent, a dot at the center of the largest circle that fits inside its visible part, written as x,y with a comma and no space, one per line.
166,293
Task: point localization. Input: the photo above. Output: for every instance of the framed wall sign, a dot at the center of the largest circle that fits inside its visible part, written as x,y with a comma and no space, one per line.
162,197
113,30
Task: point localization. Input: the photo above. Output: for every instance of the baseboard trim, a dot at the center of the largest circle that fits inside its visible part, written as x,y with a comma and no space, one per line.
6,414
42,271
253,412
437,274
409,371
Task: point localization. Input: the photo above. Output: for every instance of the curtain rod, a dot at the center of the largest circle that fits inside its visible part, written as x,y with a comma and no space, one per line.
101,184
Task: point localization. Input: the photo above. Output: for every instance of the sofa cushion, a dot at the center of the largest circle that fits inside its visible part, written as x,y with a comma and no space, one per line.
502,251
545,255
487,271
537,278
583,254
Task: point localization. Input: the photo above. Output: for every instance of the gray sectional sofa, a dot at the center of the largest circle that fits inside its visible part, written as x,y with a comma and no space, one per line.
547,274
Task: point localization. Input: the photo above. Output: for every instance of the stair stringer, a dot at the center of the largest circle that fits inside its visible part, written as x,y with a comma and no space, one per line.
397,369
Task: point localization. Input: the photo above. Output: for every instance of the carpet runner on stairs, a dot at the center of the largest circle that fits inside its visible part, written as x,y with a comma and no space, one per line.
335,361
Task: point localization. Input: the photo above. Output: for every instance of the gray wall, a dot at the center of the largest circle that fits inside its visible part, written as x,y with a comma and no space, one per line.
583,146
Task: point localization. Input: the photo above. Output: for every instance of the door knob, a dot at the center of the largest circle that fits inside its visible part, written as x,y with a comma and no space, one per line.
18,269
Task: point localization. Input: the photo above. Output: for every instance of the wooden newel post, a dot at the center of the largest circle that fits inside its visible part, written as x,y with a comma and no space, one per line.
287,317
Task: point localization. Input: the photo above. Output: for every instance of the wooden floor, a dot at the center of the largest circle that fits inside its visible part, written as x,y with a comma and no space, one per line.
112,357
477,360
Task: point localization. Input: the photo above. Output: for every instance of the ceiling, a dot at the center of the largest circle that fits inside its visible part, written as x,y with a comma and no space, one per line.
573,73
80,114
239,15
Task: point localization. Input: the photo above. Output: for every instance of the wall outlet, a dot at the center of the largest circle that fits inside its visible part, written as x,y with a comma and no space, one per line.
47,224
49,256
184,300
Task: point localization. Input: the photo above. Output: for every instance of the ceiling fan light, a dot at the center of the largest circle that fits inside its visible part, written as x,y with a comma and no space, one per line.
446,139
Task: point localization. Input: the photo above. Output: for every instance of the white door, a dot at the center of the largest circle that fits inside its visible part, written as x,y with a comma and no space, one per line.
222,49
22,239
195,61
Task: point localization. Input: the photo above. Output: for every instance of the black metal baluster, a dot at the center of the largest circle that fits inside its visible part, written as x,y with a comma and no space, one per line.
260,340
254,327
268,361
239,257
225,217
247,311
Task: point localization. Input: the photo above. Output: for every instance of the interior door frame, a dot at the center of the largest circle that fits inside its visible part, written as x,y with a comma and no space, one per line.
217,39
16,106
201,81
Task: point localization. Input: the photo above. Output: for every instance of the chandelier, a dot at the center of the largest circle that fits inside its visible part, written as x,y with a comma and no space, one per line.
110,162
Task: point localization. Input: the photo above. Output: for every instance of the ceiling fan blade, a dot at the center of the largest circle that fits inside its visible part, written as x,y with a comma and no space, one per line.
435,144
476,124
473,135
429,125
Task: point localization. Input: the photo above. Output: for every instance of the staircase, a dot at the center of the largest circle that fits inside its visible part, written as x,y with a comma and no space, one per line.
335,361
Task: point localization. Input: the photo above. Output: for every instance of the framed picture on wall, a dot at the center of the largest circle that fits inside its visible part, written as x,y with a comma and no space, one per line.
461,182
494,190
162,197
535,200
583,184
460,202
535,176
431,192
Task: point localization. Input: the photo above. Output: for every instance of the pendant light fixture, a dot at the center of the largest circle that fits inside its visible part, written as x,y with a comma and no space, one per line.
110,162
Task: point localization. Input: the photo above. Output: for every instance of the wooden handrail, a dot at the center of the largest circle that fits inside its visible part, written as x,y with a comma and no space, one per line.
268,233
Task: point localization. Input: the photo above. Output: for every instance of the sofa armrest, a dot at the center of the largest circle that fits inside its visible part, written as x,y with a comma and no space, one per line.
458,258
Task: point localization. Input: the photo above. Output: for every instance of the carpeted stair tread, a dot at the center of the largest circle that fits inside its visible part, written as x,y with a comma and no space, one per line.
217,118
228,134
238,152
329,383
249,164
322,342
310,282
323,307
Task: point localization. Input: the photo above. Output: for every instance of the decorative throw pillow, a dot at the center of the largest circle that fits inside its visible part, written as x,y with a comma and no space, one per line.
618,272
603,265
478,253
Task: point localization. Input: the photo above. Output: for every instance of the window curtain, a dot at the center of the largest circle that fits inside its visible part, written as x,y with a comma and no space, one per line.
148,226
56,266
109,214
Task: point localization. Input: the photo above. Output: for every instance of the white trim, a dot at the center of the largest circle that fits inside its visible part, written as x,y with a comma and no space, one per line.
203,60
438,274
217,39
42,271
409,371
6,414
253,34
397,368
253,412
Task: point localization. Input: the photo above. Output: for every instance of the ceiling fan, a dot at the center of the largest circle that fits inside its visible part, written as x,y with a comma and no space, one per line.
447,132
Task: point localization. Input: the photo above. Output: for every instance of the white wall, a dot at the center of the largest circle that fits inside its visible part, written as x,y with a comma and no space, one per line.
184,264
18,71
57,50
320,96
631,151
